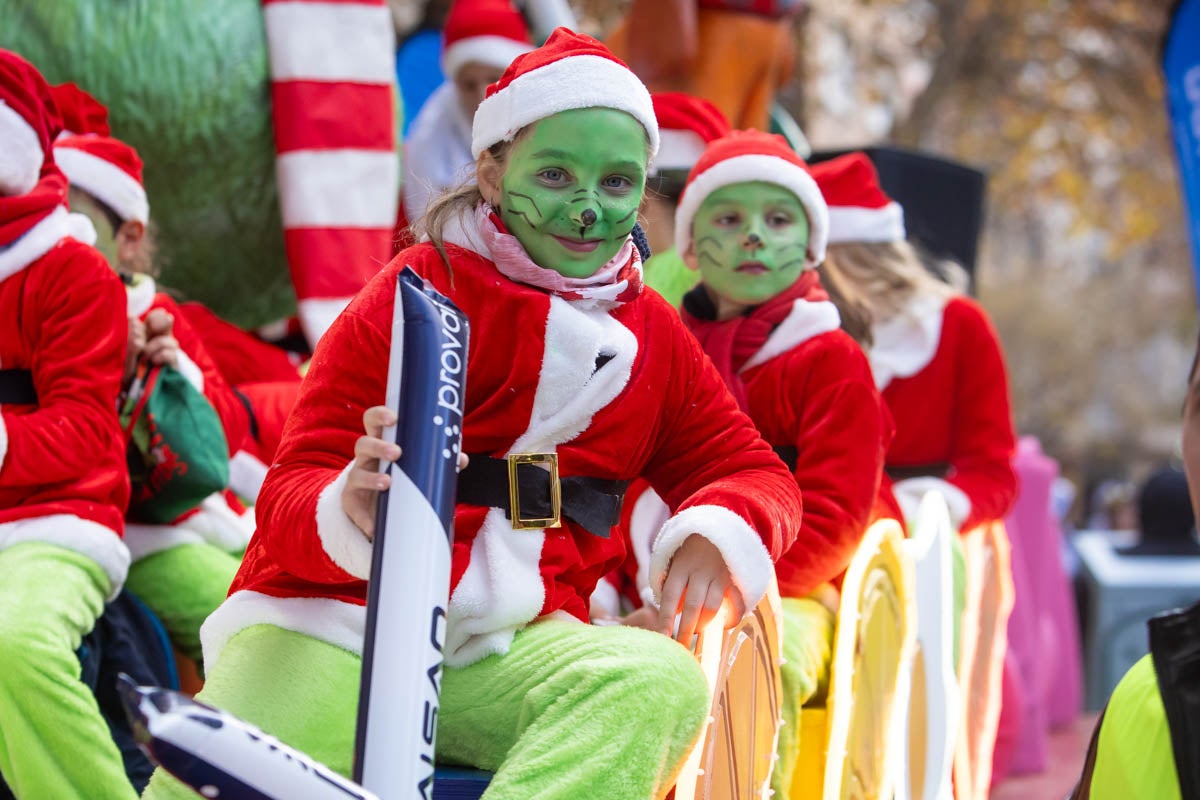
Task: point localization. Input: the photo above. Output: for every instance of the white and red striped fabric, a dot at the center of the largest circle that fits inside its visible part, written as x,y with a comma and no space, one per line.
333,99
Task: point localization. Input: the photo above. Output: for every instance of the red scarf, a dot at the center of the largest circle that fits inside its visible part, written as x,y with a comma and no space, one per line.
732,342
19,214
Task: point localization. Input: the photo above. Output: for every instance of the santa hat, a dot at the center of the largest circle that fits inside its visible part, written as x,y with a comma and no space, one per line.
686,125
489,32
28,123
745,156
569,71
859,211
81,113
107,169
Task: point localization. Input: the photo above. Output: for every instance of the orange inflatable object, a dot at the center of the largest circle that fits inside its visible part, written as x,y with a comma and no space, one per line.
736,60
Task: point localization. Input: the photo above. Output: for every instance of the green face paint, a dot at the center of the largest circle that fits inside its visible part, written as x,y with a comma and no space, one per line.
106,241
750,241
572,187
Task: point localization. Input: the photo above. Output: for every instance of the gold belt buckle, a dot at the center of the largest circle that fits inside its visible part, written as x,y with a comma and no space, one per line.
520,523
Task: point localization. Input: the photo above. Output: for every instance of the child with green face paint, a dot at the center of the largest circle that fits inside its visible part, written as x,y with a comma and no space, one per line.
568,358
753,223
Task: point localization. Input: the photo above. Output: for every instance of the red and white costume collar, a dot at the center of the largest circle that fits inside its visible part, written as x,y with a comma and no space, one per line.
907,342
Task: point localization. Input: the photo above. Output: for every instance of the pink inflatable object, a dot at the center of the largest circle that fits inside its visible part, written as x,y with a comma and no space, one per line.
1043,631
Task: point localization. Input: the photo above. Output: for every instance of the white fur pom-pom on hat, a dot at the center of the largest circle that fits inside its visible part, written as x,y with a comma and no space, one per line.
570,71
28,123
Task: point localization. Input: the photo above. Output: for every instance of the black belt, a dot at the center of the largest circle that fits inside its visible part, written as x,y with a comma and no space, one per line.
940,470
16,387
541,496
789,454
245,401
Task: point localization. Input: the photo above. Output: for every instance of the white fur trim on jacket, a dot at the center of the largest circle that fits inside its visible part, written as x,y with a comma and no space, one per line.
80,228
35,242
803,322
648,517
318,313
342,540
246,475
21,157
105,181
678,150
3,441
768,169
340,624
70,532
146,540
492,51
605,600
749,562
858,224
906,343
139,296
221,526
911,491
573,82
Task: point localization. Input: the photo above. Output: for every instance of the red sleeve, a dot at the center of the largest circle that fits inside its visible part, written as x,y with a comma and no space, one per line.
235,419
984,443
714,470
77,366
301,523
841,439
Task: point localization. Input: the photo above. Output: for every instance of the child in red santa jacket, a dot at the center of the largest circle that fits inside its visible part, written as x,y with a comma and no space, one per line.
567,356
63,484
752,221
936,357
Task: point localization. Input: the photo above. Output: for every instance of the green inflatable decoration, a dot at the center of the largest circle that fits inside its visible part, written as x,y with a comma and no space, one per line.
187,84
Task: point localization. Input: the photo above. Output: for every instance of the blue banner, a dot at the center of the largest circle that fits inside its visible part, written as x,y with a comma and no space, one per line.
1181,69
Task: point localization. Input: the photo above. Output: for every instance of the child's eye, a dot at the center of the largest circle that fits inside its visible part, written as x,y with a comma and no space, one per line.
553,176
778,219
617,183
728,219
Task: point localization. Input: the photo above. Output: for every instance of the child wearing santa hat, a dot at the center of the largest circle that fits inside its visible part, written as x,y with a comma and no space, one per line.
752,222
63,482
181,570
936,357
568,356
687,125
481,38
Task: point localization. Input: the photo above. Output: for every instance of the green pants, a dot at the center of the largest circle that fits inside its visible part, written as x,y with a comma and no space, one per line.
807,650
572,711
182,586
53,741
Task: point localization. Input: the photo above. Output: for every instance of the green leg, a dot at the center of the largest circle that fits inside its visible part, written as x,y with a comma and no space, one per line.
807,651
53,741
572,711
183,585
576,711
958,560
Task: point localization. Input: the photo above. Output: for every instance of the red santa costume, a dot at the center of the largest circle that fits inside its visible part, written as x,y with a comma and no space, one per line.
437,153
940,367
599,373
63,484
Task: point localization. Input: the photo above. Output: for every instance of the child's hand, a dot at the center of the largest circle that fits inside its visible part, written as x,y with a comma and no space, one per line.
645,617
365,480
162,346
697,582
133,349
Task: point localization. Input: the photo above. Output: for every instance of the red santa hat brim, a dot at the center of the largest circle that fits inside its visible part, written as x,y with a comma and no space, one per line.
21,153
491,51
569,72
746,169
858,224
105,181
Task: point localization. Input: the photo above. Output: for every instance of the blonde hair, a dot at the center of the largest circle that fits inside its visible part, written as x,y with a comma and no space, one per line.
887,275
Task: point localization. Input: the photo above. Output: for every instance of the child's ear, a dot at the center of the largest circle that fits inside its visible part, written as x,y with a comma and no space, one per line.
690,260
488,173
129,240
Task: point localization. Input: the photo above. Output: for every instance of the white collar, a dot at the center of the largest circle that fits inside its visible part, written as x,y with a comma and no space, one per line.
806,320
906,343
35,242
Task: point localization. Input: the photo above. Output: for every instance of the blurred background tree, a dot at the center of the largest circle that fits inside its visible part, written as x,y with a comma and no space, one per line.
1084,265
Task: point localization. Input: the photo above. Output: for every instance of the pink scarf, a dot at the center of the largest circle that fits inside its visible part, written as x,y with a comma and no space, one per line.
617,282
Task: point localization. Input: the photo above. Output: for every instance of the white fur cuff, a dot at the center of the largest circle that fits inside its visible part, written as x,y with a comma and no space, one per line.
3,441
344,543
21,157
910,492
747,558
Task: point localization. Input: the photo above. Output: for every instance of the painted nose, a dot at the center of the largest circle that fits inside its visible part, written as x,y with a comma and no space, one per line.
587,217
753,242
